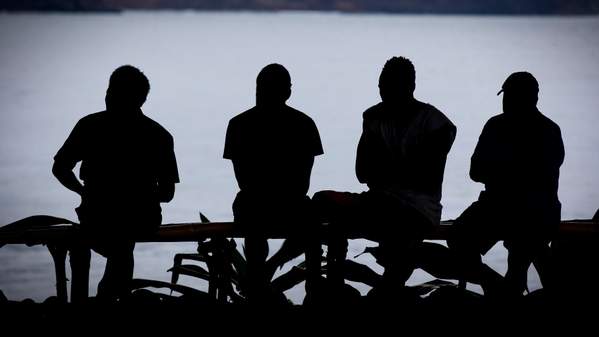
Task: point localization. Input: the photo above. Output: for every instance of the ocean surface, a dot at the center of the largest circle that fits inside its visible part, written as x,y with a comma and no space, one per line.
54,69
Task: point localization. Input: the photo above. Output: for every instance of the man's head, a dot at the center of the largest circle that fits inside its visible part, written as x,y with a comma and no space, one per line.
273,85
520,92
127,89
397,80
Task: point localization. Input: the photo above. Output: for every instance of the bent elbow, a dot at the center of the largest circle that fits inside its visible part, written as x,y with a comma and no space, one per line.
476,176
167,194
168,197
58,170
362,179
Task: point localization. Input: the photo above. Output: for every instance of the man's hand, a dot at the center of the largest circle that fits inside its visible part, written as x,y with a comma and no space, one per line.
64,173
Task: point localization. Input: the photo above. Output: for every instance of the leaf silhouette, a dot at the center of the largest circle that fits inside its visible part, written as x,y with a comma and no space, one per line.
184,290
35,221
289,280
191,270
358,272
203,218
25,230
427,287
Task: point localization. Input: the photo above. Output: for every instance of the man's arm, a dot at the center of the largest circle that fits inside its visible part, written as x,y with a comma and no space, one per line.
559,146
303,171
372,159
166,192
364,160
480,165
64,173
361,167
169,172
427,164
240,170
68,156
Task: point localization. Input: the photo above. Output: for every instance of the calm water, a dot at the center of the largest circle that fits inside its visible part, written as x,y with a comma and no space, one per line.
202,67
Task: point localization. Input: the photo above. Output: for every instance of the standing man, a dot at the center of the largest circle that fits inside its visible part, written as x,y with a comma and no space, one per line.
517,158
128,168
272,147
401,158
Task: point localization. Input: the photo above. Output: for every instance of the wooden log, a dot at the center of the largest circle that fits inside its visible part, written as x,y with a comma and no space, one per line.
196,231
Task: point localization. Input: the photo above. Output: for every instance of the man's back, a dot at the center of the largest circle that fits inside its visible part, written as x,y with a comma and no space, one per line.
275,148
272,147
403,152
518,159
124,156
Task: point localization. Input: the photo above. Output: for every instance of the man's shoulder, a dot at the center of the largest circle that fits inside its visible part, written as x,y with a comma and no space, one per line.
244,117
253,115
156,128
94,117
434,116
495,121
549,123
93,121
299,116
373,111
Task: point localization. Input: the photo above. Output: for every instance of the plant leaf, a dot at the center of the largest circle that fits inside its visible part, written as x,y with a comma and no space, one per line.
27,228
203,218
358,272
191,270
35,221
289,280
184,290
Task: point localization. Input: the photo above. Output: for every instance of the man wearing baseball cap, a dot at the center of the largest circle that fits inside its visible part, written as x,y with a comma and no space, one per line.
517,158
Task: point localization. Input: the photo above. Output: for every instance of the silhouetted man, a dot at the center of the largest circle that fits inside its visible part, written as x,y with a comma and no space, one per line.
401,157
517,157
272,147
128,168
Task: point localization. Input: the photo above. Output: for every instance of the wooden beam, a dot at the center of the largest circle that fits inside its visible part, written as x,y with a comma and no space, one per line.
196,231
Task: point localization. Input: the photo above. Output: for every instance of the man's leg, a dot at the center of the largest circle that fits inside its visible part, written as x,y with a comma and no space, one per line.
80,257
399,262
471,237
339,210
521,253
544,264
313,253
256,252
400,229
118,273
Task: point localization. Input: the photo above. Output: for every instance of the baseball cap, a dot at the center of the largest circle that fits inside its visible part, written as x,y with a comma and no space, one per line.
522,82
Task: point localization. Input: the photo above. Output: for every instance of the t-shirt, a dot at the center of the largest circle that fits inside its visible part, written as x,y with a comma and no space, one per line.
402,153
518,158
273,150
124,156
